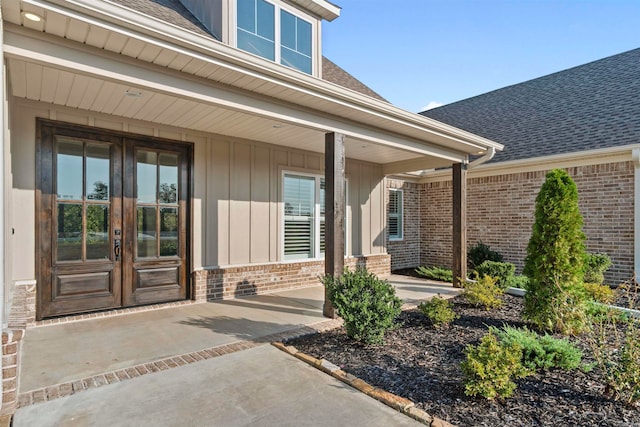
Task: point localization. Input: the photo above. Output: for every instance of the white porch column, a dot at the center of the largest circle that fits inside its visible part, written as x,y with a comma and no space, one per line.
636,212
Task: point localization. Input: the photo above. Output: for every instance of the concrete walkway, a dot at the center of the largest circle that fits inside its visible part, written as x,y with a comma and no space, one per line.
257,386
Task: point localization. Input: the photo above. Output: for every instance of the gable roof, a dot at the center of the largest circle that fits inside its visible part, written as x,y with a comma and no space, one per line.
174,12
595,105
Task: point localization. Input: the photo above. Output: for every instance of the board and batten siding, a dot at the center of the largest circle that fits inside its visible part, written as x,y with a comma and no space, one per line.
244,194
236,208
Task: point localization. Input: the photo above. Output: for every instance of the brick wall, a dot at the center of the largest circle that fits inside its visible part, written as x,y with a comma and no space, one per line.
405,253
230,282
500,214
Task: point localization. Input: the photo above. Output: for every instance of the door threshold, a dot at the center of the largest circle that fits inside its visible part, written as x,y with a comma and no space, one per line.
110,313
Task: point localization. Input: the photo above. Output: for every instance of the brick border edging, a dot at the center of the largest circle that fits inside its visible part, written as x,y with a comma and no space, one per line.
398,403
69,388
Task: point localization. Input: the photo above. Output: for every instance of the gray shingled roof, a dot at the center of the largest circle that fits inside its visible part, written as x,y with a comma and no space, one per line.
596,105
173,12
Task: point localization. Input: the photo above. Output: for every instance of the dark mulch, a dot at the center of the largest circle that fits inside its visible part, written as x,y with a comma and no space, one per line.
422,364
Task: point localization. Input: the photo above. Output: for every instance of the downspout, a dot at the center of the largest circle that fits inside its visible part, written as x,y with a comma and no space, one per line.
483,159
635,155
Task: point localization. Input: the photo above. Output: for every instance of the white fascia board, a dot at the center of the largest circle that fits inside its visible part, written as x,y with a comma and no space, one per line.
322,8
133,24
565,160
65,55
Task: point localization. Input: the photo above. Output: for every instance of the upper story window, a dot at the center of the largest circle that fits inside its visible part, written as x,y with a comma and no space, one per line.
395,214
267,30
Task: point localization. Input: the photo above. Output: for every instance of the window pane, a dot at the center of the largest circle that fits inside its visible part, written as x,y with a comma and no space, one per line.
146,176
295,60
98,245
256,45
303,37
299,221
266,20
394,221
97,177
168,178
288,30
69,170
168,231
147,240
247,15
69,232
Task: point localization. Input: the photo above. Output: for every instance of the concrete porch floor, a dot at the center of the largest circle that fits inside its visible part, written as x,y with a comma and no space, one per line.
68,352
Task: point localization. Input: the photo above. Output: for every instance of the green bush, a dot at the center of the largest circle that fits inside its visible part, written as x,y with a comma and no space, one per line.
540,352
594,267
490,368
438,310
599,293
480,253
367,304
614,341
555,298
436,273
483,292
519,281
501,271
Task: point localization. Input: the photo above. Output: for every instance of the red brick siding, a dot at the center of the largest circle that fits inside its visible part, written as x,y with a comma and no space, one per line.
500,214
405,253
230,282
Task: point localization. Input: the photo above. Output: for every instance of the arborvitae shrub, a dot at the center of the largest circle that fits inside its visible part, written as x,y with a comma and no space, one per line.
555,298
480,253
368,305
594,267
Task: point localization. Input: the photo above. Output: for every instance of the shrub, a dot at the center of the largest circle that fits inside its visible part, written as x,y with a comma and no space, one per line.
594,267
615,345
490,368
480,253
599,293
438,310
519,281
483,292
540,352
555,298
368,305
501,271
436,273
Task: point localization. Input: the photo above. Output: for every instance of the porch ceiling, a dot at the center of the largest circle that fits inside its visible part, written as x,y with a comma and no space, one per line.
100,50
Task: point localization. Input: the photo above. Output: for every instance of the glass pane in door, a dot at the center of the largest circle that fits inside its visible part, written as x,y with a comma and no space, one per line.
147,239
69,241
98,244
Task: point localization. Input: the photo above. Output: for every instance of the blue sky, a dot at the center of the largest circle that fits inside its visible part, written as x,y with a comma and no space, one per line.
417,52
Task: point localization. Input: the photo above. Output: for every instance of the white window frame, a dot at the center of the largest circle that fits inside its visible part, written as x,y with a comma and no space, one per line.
399,215
317,216
278,6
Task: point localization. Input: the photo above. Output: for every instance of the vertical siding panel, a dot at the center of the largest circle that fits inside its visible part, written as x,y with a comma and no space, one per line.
376,230
353,194
240,205
200,228
365,208
279,159
296,159
260,218
218,204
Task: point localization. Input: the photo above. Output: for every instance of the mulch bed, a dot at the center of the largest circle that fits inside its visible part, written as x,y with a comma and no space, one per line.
422,364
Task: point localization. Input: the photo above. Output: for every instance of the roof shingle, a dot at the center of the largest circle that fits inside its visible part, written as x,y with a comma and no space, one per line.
595,105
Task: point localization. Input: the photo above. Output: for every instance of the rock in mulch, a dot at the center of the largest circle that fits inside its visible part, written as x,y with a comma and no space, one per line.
422,364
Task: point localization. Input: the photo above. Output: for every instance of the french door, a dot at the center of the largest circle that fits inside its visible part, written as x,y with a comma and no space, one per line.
113,220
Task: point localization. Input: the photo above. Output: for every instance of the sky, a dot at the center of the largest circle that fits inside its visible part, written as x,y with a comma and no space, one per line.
424,53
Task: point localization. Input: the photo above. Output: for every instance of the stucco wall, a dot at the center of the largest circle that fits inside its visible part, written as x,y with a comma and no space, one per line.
500,214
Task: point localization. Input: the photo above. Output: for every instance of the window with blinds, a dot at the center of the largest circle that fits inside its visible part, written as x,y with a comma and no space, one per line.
304,216
395,214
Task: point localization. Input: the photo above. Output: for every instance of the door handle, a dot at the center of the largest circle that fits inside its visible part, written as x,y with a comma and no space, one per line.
116,249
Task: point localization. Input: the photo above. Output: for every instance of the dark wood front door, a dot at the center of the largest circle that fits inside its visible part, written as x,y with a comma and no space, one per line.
113,220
